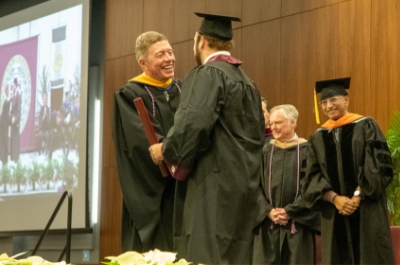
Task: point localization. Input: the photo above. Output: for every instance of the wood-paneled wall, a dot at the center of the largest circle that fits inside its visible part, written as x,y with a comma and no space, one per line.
286,45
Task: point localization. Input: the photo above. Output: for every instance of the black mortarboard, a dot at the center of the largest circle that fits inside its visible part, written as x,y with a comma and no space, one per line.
333,87
216,26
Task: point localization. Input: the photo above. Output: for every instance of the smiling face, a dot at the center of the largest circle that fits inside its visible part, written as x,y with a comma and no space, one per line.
159,62
335,107
282,127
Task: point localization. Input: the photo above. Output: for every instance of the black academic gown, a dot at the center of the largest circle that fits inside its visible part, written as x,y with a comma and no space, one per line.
147,196
217,136
341,159
4,126
293,243
15,126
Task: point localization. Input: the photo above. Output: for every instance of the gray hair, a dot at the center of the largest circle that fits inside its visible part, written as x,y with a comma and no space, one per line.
144,41
289,111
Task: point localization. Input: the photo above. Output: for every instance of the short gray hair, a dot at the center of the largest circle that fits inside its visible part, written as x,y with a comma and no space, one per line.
144,41
289,111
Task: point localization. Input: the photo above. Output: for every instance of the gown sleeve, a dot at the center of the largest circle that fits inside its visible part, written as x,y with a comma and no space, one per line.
298,209
140,179
314,184
377,172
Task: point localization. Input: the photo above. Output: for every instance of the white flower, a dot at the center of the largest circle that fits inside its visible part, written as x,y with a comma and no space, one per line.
128,258
161,258
33,260
155,257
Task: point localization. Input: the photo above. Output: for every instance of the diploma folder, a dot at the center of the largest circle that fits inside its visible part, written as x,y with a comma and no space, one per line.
150,133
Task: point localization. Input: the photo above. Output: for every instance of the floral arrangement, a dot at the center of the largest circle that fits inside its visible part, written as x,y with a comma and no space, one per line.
33,260
155,257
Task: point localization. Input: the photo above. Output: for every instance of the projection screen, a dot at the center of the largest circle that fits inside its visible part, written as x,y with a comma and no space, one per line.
43,114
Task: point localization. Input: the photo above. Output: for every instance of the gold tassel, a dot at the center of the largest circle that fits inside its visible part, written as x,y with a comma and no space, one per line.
316,107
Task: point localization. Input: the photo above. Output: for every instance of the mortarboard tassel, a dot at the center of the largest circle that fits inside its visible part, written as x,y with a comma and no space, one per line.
316,107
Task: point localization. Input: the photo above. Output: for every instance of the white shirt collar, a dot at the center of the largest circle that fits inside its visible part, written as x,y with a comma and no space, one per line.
215,54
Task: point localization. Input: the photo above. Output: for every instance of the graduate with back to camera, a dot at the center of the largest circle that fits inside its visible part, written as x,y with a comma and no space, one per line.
216,145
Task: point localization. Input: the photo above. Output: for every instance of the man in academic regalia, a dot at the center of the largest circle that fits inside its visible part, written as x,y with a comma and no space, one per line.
215,145
44,122
15,115
5,121
348,169
148,197
287,234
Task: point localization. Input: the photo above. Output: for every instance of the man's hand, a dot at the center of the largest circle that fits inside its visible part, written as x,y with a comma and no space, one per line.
156,153
345,205
278,216
283,216
356,200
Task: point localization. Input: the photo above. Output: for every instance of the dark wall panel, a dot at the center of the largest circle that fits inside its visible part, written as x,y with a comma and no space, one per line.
290,7
185,23
158,16
225,7
238,43
184,58
124,22
261,58
385,58
353,54
255,11
309,71
110,221
294,88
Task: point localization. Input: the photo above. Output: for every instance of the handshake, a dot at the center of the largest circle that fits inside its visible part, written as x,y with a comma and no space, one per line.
279,216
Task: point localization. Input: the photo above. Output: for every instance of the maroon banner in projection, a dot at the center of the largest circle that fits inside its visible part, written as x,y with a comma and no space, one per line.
18,71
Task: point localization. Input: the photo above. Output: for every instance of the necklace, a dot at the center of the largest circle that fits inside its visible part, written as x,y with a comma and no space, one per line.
293,230
166,96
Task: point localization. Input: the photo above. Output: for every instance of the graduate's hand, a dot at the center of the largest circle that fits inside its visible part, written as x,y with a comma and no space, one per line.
356,200
276,216
156,153
345,205
283,216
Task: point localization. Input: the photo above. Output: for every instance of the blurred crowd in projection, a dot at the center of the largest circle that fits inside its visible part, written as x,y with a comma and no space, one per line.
51,164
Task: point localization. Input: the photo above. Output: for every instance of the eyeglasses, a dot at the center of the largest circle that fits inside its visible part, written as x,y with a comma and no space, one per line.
331,100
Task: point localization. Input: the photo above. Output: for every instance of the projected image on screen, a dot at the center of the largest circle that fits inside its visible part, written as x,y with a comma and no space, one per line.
40,106
41,124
